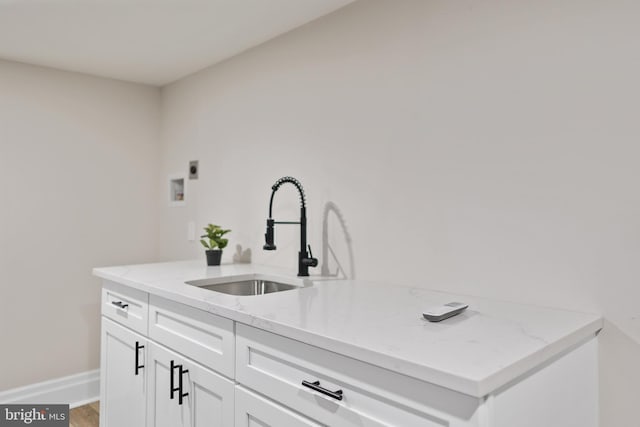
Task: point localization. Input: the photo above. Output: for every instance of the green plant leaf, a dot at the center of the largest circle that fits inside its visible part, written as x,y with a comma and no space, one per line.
214,235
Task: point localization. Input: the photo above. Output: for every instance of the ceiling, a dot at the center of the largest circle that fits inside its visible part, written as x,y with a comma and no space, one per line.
145,41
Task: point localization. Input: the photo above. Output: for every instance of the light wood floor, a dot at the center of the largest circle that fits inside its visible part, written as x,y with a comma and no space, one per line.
85,416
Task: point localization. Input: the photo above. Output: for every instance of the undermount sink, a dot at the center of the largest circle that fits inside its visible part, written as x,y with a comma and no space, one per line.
243,287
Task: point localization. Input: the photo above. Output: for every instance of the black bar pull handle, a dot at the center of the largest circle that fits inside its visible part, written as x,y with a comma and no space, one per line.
138,365
316,386
120,304
171,387
181,372
182,395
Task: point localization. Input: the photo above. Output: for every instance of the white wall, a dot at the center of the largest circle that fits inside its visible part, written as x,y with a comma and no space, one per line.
78,167
484,148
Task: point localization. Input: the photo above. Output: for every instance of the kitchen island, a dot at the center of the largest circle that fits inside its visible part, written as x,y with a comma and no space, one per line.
339,352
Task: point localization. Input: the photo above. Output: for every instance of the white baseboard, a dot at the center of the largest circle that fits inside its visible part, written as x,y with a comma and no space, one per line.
75,390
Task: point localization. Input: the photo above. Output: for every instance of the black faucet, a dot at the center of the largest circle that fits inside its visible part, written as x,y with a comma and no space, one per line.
305,259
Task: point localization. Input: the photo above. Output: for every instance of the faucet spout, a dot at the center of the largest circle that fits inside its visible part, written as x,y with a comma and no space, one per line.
305,259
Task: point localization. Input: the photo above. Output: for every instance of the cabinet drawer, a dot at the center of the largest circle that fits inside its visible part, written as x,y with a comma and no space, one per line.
127,306
370,396
256,411
201,336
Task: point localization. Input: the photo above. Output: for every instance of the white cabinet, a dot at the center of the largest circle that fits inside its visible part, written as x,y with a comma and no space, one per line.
256,411
144,383
123,376
183,393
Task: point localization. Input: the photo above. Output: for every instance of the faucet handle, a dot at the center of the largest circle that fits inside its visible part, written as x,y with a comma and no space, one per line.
268,236
311,261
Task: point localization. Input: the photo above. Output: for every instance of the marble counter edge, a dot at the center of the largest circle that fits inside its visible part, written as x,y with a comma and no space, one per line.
541,358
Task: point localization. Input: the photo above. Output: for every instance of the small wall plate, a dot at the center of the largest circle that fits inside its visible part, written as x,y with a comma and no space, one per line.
193,169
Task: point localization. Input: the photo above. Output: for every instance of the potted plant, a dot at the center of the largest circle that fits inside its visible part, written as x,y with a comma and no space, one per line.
215,244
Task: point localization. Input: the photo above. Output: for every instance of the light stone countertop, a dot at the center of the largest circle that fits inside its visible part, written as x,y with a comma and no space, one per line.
475,353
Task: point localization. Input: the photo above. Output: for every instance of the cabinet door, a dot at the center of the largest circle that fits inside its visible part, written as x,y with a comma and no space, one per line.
207,397
162,410
123,387
256,411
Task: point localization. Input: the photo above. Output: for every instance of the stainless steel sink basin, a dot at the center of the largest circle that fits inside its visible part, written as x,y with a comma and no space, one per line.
244,287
